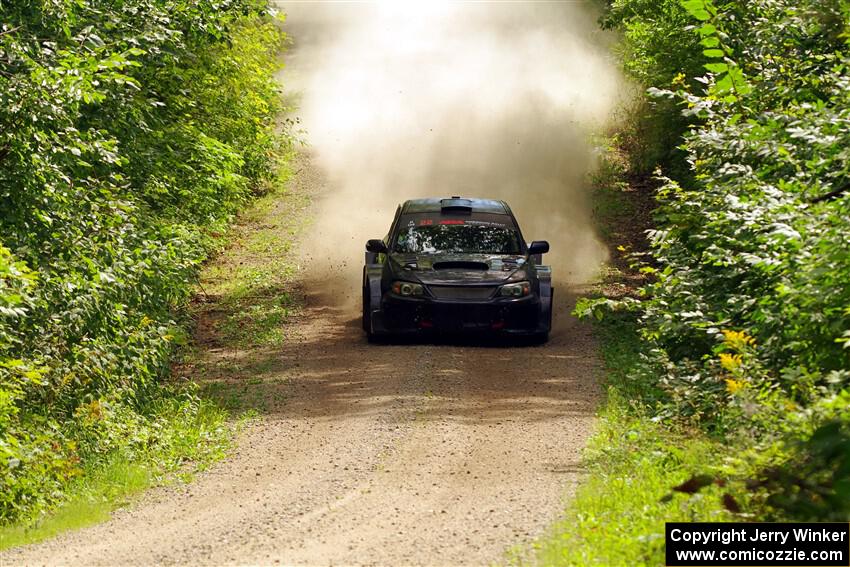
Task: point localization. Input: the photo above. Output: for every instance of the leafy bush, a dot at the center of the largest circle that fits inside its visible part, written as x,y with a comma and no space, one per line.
746,324
658,50
132,132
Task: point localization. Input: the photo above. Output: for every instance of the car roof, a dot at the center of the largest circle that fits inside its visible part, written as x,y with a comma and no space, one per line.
436,205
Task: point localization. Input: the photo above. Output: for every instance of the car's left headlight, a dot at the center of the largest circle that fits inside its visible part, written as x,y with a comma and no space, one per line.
519,289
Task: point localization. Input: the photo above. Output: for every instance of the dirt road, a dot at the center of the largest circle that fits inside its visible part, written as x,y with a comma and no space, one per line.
439,454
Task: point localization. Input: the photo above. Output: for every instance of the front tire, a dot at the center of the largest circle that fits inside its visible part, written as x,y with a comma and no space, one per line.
543,336
367,311
366,317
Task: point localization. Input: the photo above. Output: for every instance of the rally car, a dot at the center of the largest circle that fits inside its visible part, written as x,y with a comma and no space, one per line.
456,265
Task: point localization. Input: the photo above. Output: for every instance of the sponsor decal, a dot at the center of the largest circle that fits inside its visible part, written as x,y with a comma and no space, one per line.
485,223
431,222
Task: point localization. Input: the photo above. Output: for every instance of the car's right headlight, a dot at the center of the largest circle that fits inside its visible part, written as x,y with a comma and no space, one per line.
519,289
407,289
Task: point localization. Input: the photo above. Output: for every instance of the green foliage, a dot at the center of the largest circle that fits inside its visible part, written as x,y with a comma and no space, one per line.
730,83
747,320
658,51
815,483
659,45
110,483
185,430
132,132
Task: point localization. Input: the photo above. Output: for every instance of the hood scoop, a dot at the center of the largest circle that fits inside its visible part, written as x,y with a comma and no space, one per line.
461,265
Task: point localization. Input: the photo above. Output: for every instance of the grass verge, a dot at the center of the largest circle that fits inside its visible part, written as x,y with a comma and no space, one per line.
250,294
634,460
90,502
617,515
192,433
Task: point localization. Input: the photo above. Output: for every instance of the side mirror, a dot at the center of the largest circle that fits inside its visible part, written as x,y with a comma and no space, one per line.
538,247
376,246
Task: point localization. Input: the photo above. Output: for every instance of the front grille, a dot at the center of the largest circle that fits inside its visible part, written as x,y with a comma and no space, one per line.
461,292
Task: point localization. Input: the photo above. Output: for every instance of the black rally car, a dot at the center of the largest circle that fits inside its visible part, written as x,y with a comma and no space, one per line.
456,265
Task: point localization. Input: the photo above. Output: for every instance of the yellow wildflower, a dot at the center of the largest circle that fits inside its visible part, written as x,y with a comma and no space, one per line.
734,386
730,361
737,340
91,412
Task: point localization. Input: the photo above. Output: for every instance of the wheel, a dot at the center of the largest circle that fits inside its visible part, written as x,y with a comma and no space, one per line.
367,326
367,316
543,337
367,312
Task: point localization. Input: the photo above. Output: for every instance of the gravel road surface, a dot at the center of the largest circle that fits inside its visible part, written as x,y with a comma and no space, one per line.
437,454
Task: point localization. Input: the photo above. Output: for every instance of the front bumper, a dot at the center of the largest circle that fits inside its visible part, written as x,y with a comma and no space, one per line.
499,315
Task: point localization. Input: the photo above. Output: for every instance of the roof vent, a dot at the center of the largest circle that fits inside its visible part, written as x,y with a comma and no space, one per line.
456,205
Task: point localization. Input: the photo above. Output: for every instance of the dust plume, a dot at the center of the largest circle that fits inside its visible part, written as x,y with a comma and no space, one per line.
493,100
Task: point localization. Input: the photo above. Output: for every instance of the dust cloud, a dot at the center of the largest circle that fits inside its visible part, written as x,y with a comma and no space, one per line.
493,100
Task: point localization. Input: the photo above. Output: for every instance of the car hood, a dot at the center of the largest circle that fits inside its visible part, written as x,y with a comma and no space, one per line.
458,268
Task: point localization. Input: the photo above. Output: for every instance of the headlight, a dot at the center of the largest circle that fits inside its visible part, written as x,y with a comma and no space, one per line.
520,289
407,289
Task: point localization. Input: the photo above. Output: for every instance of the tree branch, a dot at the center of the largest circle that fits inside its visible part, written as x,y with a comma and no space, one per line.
831,195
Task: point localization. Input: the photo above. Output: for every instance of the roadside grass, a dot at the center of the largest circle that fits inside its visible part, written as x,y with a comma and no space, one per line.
246,293
634,460
249,295
90,502
187,443
250,292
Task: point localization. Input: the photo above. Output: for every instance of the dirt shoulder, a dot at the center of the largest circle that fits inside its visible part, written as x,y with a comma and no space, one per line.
393,454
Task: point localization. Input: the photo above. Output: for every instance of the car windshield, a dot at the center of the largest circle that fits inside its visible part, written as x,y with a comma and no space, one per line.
462,237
